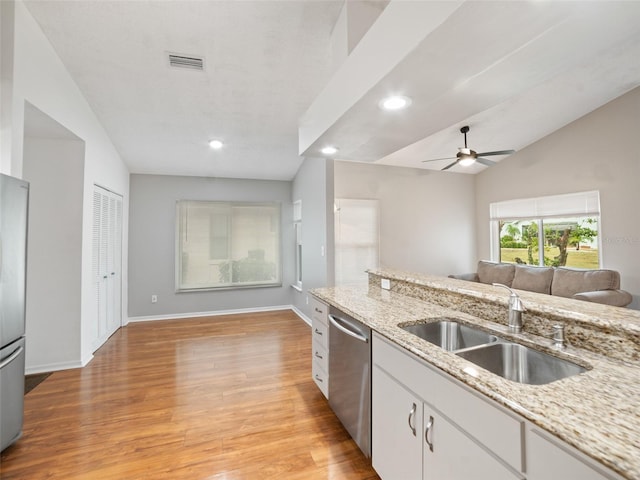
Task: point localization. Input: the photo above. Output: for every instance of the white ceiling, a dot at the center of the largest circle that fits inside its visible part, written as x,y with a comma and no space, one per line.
513,71
265,61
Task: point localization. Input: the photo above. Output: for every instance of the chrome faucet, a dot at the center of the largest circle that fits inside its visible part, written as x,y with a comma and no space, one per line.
559,341
515,310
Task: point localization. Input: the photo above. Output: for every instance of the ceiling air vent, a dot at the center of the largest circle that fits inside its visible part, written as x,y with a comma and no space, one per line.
186,61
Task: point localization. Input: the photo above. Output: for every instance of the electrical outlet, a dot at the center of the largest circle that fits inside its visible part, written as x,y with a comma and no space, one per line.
154,298
385,283
307,298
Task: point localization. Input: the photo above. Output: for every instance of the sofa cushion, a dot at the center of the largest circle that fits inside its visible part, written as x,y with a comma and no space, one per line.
568,281
492,272
533,279
616,298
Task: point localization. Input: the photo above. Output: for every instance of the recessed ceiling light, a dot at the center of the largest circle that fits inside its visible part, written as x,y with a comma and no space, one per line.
215,144
329,150
395,102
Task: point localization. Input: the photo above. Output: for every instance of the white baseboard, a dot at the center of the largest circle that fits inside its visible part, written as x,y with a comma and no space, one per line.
54,367
177,316
298,312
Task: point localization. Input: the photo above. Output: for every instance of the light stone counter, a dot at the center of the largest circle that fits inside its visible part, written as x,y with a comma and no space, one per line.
597,412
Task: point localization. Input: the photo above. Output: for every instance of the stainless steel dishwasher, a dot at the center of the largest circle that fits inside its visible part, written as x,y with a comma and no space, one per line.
350,376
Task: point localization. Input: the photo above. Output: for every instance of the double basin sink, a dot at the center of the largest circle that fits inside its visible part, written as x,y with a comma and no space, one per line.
509,360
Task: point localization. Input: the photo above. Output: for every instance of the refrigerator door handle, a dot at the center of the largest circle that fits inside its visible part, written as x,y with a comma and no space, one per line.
12,357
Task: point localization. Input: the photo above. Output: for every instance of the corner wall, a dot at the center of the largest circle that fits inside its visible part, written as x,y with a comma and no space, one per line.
596,152
313,186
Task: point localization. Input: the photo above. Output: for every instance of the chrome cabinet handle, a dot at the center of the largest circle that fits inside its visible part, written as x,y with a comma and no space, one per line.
318,355
412,412
428,433
318,378
318,332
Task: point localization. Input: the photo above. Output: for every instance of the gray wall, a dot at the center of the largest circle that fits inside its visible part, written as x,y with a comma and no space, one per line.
311,187
152,244
596,152
55,170
427,218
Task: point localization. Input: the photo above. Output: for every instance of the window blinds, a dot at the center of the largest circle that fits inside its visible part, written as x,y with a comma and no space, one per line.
580,204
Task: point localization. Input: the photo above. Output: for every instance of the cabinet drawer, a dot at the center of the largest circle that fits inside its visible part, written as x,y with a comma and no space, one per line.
320,354
495,428
321,377
320,333
319,311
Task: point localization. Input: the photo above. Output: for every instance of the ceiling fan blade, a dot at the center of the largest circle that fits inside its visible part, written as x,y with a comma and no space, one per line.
438,159
485,161
449,166
499,152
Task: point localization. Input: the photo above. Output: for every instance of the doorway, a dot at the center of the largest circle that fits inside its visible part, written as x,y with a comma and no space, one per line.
54,166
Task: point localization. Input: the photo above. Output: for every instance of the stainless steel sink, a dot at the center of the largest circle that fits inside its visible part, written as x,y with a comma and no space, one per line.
450,335
521,364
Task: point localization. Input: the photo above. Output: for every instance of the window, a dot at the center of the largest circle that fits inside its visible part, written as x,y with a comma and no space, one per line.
227,245
560,230
297,226
356,240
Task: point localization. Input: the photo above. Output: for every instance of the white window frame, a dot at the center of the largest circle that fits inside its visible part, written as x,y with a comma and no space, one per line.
297,230
277,282
579,204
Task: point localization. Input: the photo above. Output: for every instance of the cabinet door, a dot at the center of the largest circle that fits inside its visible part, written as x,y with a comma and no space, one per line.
396,429
546,459
450,454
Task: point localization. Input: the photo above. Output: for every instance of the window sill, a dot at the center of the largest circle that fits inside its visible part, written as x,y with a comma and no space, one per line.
296,287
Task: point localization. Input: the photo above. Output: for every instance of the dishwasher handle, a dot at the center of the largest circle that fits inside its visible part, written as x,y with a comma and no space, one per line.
349,328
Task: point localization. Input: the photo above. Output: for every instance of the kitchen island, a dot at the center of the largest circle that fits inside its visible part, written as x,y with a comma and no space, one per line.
596,412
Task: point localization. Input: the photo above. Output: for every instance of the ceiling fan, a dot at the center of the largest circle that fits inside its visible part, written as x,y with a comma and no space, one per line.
466,156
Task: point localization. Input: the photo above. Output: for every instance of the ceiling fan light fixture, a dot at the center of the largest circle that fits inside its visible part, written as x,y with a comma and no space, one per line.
216,144
395,102
466,160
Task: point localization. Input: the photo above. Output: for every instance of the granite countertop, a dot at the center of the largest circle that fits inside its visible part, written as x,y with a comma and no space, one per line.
597,412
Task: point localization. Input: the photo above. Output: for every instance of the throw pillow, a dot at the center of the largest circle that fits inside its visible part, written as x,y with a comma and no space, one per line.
492,272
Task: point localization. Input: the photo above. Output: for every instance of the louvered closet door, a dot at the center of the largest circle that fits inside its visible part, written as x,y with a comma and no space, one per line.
107,263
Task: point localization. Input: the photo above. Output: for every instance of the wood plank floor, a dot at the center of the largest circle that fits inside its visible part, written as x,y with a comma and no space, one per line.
227,397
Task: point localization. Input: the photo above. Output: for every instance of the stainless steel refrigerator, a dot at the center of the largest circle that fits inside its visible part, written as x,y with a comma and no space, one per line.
14,195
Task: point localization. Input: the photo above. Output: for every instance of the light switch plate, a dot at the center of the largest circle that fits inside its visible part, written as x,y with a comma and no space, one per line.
385,283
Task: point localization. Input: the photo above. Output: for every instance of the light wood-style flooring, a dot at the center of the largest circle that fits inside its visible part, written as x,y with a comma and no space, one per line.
228,397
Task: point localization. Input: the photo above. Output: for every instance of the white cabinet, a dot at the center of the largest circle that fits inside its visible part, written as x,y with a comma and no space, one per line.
320,345
417,435
396,430
459,433
450,453
548,458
